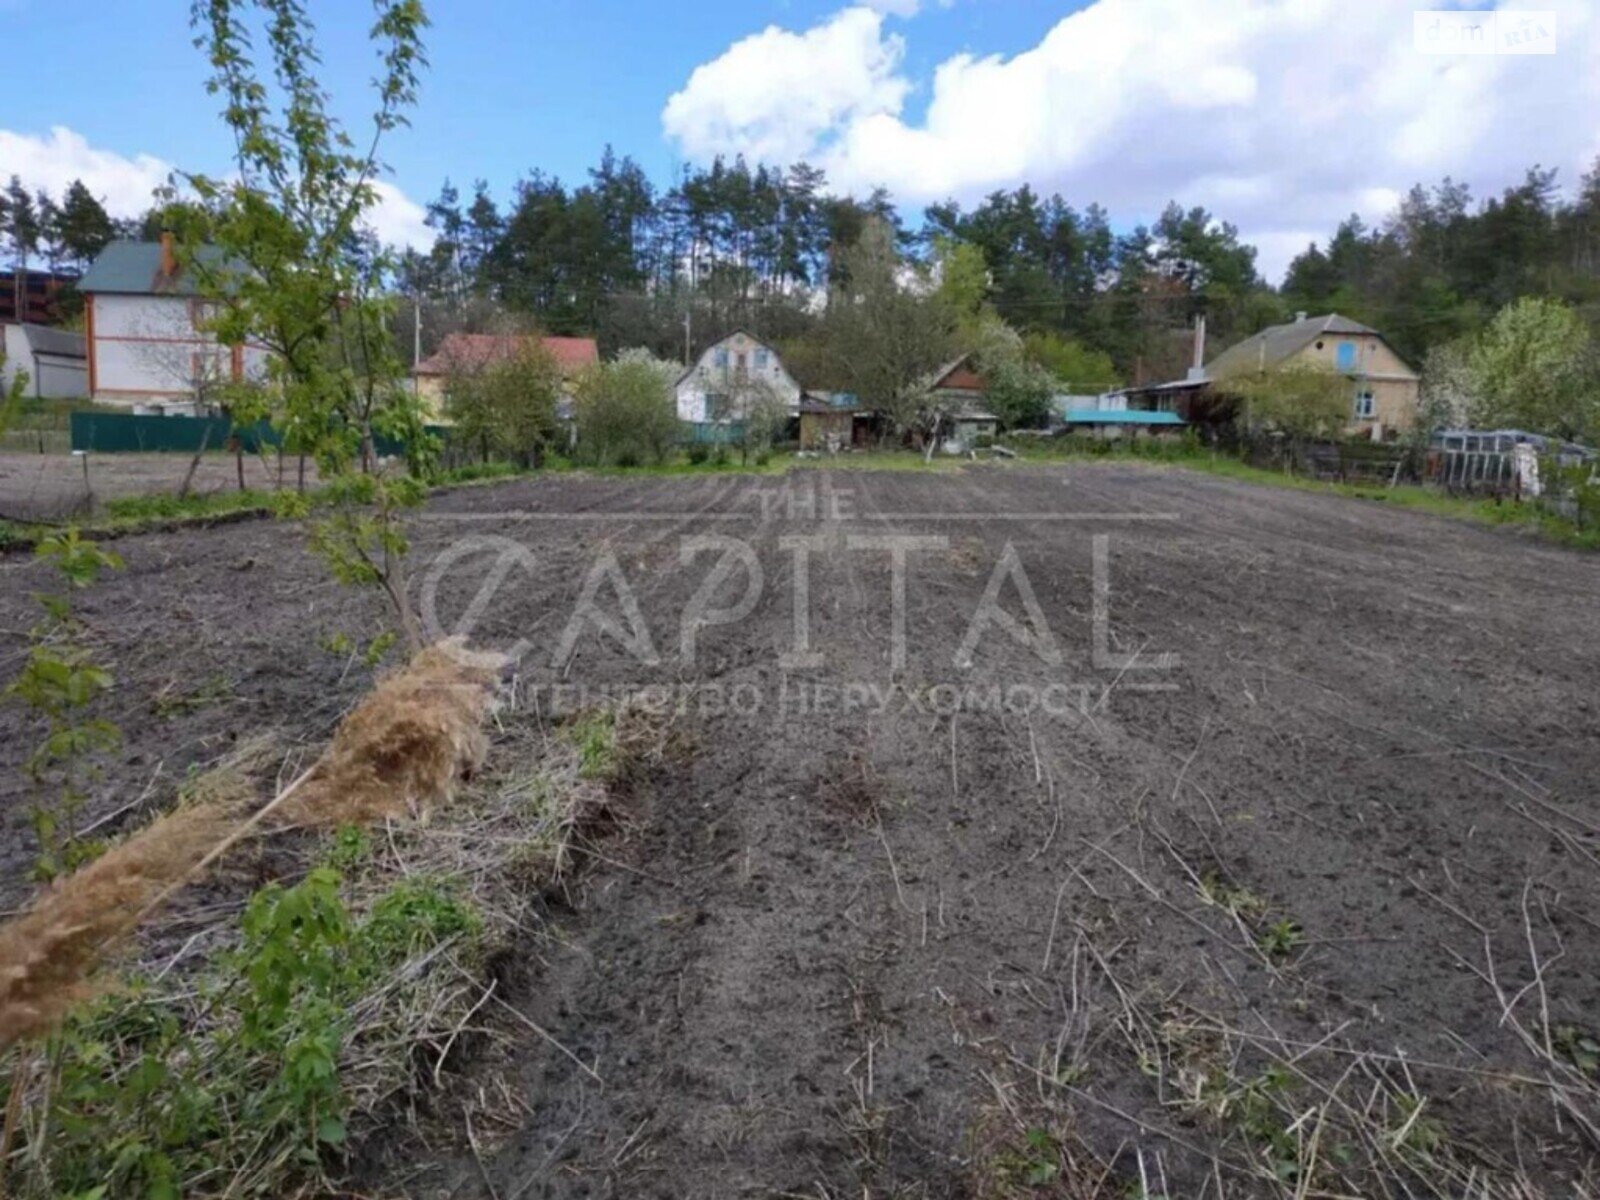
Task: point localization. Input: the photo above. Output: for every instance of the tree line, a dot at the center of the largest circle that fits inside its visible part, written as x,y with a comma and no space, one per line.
1443,265
731,245
38,229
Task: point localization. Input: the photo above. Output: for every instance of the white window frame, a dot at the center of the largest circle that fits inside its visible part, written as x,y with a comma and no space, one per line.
1366,406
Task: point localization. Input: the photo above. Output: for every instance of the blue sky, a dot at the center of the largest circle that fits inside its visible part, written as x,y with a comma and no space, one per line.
1282,118
511,86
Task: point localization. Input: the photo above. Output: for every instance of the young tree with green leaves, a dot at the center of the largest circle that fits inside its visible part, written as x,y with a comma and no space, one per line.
60,684
1532,368
281,249
1301,401
507,408
1016,389
888,330
625,411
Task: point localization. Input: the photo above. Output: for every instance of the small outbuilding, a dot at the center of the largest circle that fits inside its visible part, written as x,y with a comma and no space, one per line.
1120,422
968,429
825,426
56,362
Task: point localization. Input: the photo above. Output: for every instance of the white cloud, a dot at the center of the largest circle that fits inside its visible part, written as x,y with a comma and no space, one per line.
52,162
124,185
777,95
895,8
1281,117
397,219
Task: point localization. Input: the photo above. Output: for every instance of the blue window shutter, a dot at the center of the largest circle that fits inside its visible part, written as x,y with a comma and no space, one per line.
1347,356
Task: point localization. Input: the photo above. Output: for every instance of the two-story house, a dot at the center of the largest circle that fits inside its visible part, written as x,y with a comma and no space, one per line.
1383,388
145,330
730,378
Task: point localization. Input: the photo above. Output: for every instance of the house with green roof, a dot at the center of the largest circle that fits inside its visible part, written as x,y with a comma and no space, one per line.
145,331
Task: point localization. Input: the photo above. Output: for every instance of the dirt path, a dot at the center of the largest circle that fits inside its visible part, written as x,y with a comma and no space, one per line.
914,942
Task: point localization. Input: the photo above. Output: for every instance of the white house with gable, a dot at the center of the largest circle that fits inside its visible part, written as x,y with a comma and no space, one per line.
730,377
145,324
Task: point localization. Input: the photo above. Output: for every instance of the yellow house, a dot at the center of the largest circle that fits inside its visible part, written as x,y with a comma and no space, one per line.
1384,390
468,352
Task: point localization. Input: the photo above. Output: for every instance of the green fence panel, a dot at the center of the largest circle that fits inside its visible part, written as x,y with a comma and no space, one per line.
113,433
711,432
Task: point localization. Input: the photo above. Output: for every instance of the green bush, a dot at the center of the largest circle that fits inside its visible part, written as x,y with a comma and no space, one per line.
237,1075
625,413
697,453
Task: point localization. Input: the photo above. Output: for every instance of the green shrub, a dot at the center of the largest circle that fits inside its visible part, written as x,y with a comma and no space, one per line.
625,412
697,453
234,1082
411,918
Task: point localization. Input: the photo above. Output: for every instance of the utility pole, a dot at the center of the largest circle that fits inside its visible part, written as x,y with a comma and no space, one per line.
416,338
688,351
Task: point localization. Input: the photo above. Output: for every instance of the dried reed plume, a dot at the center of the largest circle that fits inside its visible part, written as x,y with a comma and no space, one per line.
48,956
404,748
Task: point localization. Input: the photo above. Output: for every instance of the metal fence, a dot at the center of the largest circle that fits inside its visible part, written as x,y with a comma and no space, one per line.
122,433
35,441
1348,461
1474,472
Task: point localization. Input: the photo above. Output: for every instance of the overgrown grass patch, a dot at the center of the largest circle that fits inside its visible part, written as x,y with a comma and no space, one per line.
155,507
246,1052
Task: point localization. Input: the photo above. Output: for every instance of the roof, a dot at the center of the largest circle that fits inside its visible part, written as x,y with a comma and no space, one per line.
1120,416
820,401
938,378
134,269
468,351
973,414
728,337
1175,385
61,343
1276,343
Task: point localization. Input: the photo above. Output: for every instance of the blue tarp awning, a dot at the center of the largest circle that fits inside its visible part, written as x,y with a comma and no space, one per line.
1120,416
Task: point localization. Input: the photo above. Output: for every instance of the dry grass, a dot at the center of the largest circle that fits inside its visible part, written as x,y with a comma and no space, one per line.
494,847
405,748
402,750
49,955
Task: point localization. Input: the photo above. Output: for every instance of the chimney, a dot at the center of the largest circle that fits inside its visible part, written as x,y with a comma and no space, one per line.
169,259
1299,317
1197,370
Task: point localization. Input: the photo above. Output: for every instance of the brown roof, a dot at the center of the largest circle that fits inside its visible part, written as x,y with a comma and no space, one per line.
468,351
1278,342
957,376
